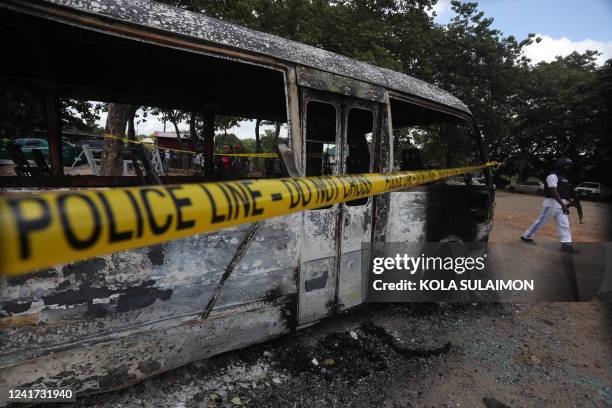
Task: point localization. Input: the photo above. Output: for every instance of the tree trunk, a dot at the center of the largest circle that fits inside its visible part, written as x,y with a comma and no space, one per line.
277,133
178,133
131,135
209,144
112,151
131,132
257,140
192,131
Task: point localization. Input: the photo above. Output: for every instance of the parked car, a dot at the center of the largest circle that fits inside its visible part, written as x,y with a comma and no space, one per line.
69,151
527,187
593,190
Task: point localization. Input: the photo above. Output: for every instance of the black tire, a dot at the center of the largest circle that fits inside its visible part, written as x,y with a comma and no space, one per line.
511,190
540,192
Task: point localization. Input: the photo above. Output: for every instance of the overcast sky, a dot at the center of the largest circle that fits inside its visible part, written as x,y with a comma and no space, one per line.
246,130
564,26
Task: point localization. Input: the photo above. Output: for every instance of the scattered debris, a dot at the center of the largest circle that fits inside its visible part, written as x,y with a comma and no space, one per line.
548,322
392,355
493,403
236,401
401,349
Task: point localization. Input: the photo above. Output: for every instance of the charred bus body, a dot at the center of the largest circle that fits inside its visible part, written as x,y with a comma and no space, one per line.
110,321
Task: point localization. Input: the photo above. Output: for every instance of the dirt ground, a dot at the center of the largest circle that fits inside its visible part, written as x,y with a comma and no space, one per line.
417,355
514,213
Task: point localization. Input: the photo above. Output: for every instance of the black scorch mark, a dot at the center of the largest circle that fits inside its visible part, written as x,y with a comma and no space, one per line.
317,283
156,254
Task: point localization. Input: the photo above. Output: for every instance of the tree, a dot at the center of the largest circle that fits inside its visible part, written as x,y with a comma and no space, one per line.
561,114
22,112
270,140
477,64
223,123
112,150
257,140
226,139
175,117
79,114
527,114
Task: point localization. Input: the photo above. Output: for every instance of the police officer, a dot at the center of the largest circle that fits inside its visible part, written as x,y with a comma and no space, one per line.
558,196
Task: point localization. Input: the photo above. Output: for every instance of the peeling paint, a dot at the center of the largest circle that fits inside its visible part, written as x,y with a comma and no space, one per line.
15,307
19,280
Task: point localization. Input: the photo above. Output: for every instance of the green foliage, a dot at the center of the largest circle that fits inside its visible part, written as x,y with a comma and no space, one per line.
78,114
528,114
223,139
20,113
224,123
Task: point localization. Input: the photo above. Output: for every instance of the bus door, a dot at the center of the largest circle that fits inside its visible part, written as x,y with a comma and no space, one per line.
338,134
359,120
321,132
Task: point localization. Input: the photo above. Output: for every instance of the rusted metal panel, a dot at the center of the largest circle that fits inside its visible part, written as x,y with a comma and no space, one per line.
324,81
123,359
318,257
357,220
383,162
140,294
350,289
408,212
317,289
356,232
294,122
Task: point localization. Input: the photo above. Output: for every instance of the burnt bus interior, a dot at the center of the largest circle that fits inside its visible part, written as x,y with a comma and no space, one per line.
428,139
50,61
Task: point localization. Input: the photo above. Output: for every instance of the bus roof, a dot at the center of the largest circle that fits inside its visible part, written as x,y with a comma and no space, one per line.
178,21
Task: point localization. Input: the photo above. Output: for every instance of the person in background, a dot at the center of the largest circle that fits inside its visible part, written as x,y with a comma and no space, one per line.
227,163
241,164
167,159
558,197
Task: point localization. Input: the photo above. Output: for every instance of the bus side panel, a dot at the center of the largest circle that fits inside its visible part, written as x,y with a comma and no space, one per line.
69,309
407,217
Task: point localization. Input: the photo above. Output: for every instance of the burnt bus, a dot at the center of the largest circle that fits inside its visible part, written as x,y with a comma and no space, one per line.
111,321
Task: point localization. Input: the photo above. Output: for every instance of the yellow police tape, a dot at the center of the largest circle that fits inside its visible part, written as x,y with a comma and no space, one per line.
126,140
264,155
41,230
149,145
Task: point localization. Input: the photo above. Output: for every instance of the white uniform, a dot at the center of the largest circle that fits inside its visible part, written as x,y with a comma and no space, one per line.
552,209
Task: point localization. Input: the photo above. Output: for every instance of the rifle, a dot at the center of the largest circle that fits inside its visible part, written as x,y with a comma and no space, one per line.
576,203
